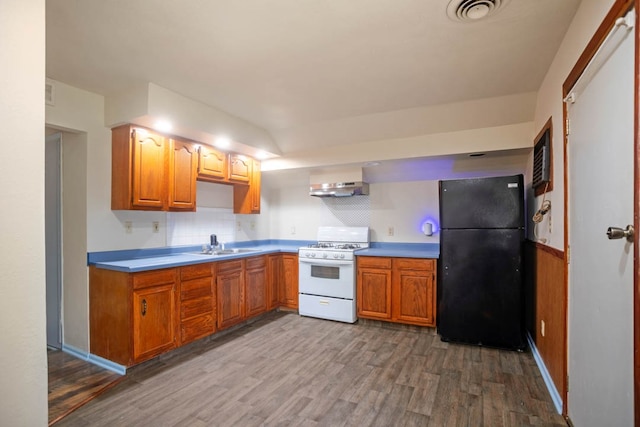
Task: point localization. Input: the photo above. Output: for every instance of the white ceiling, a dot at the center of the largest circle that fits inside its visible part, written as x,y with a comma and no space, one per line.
313,73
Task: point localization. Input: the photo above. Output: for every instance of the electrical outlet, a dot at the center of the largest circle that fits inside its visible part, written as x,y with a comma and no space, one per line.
252,225
549,223
542,327
156,226
128,227
391,231
293,230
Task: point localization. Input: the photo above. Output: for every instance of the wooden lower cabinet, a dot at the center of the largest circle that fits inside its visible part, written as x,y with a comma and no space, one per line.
289,281
256,286
230,289
136,316
373,288
197,302
399,290
132,316
274,262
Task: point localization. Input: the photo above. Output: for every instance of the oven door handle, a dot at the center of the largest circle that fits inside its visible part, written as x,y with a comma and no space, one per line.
322,261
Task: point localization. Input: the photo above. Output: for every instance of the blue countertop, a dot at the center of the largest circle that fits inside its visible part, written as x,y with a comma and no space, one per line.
135,260
401,250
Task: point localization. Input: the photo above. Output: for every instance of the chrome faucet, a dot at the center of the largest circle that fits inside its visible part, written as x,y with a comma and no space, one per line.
215,244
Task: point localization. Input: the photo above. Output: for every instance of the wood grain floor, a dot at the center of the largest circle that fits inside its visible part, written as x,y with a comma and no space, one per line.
73,382
287,370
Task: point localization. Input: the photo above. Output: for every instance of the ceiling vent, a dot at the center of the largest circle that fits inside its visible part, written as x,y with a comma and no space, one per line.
473,10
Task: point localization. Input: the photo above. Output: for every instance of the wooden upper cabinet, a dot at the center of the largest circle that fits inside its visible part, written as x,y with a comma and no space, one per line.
246,199
151,172
239,168
138,165
212,164
183,170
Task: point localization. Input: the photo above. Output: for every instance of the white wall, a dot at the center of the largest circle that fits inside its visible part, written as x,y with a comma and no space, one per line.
586,20
23,352
293,214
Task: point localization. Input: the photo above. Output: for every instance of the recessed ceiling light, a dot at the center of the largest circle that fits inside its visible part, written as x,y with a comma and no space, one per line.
222,142
163,125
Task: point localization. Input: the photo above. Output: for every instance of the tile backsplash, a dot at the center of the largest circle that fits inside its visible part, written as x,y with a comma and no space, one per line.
194,228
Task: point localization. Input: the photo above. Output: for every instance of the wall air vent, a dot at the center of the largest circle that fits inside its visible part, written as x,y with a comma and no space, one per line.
473,10
542,179
49,93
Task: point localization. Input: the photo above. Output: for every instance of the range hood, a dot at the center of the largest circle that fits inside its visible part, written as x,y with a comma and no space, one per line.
339,189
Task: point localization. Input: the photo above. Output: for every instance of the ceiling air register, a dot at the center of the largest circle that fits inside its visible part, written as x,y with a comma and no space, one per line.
473,10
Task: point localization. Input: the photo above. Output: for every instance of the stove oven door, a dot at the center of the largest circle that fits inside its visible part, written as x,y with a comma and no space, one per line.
329,278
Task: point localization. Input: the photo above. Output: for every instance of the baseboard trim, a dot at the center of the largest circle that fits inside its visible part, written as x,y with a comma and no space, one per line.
553,391
96,360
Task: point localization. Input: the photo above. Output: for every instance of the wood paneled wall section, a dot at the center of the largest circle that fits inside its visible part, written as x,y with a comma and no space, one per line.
547,301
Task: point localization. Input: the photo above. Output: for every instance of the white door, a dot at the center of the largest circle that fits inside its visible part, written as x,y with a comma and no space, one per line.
600,168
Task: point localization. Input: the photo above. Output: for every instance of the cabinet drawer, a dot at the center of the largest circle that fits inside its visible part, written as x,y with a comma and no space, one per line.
195,271
228,266
195,307
374,262
196,288
154,278
413,264
256,262
197,327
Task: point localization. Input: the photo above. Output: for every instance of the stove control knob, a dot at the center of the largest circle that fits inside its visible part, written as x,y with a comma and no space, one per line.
325,255
335,255
313,254
341,255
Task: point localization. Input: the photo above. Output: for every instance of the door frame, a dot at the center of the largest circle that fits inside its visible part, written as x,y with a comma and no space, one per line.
53,246
619,9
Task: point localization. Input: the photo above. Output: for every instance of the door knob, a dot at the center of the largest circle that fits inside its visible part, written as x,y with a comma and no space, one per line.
619,233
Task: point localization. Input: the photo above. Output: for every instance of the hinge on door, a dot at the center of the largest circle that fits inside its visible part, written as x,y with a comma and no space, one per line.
567,129
568,254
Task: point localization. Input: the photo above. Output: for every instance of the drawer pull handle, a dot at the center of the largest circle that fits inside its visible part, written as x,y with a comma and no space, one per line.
324,302
144,307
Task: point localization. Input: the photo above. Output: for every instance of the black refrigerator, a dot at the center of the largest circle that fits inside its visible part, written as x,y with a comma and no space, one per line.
480,285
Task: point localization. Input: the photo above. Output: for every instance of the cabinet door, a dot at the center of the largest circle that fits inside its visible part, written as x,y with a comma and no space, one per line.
290,280
183,165
212,164
256,288
239,168
230,287
273,280
254,187
413,300
154,321
373,293
148,174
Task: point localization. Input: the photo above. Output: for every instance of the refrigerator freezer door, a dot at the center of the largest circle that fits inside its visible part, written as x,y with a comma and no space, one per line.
482,203
480,292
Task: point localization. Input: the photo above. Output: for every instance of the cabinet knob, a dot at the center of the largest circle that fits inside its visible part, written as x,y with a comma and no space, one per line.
144,307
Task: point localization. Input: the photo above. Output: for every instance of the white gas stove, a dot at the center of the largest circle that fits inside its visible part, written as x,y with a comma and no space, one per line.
327,274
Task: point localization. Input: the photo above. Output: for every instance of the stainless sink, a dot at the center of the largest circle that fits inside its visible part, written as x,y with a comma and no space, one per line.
224,252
